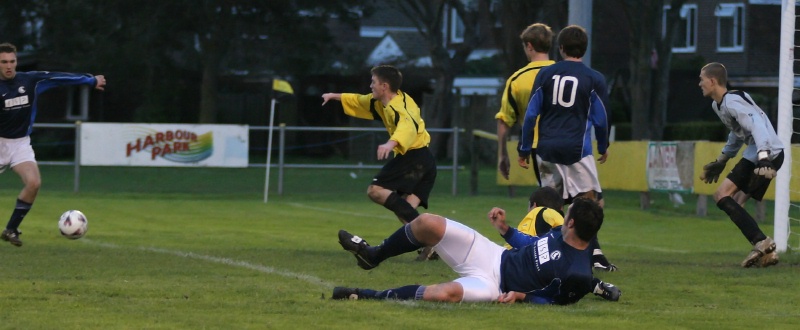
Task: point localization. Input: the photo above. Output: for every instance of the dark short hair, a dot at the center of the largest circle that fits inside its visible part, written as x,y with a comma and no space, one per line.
547,197
573,40
588,217
717,71
390,75
8,48
539,35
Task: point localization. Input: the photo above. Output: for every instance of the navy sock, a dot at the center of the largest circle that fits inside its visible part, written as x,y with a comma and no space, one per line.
407,292
20,211
400,207
747,225
401,241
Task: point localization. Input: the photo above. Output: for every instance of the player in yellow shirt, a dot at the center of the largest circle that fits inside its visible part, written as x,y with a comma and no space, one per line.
405,182
545,207
536,41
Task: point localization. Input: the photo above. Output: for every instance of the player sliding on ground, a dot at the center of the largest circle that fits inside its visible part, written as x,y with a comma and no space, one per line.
554,269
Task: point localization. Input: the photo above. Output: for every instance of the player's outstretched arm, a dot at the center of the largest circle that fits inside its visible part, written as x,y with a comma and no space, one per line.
331,96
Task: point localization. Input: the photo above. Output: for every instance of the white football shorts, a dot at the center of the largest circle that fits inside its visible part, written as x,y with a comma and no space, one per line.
475,258
15,151
570,180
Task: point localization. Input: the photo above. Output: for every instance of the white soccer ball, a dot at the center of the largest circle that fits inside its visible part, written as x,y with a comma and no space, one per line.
73,224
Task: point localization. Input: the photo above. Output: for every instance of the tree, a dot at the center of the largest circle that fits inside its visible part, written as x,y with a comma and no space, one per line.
648,83
166,56
429,16
514,16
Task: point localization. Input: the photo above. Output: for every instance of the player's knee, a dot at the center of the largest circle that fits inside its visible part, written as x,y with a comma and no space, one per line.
375,193
33,184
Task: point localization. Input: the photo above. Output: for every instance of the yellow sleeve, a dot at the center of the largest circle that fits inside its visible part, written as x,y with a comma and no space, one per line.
528,223
359,105
507,113
553,218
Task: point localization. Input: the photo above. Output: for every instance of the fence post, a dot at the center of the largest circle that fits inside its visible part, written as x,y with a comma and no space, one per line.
281,145
455,160
77,171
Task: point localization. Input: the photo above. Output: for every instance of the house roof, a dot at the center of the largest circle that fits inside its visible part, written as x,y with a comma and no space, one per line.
398,46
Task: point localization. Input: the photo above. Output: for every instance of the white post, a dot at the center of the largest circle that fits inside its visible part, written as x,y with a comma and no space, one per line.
785,87
269,148
580,13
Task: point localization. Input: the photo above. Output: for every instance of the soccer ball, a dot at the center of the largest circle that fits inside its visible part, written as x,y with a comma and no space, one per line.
73,224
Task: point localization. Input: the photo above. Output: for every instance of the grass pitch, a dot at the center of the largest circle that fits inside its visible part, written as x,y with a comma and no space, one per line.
198,249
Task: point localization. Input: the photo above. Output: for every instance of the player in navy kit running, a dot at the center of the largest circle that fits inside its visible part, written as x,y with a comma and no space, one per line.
568,99
552,269
19,91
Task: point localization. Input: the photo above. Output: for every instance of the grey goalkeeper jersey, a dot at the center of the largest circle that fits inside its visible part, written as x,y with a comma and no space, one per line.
748,124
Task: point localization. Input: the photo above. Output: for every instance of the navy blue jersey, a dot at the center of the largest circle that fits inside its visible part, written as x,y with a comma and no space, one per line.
534,266
569,98
19,98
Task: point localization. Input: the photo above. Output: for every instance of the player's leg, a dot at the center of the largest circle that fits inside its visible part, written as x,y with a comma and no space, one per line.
407,292
426,230
23,163
394,202
741,178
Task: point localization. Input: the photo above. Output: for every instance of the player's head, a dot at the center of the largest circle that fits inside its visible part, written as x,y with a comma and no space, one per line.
539,36
389,75
572,41
8,61
546,197
587,217
713,75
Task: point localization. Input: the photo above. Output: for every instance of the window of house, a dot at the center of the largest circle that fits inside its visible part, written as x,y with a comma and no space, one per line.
730,27
456,27
685,39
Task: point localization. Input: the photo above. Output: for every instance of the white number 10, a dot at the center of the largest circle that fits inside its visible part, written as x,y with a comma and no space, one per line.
558,90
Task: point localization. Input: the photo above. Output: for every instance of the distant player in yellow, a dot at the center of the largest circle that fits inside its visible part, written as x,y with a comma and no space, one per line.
536,41
545,208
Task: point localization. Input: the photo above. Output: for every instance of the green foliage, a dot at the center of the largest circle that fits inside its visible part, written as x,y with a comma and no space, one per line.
215,259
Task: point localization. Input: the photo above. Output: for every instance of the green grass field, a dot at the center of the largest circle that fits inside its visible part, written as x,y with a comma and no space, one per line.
198,249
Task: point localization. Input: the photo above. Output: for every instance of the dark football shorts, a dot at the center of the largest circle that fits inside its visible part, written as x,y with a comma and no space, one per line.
750,183
411,173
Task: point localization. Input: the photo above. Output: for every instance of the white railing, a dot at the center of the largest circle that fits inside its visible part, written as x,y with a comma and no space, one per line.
281,165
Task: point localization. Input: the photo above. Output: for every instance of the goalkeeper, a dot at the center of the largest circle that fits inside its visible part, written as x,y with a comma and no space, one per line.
761,159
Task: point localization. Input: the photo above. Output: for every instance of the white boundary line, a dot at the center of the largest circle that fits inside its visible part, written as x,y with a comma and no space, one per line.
225,261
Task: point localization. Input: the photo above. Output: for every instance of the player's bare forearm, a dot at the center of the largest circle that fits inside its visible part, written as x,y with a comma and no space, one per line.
331,96
503,163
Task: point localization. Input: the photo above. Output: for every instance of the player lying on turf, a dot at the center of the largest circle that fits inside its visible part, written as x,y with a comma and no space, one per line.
545,211
554,269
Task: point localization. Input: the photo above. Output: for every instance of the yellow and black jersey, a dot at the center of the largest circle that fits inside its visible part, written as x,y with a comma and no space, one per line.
518,92
539,221
401,117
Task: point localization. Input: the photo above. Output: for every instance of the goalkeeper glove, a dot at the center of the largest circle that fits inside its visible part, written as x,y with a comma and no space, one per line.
712,170
764,166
